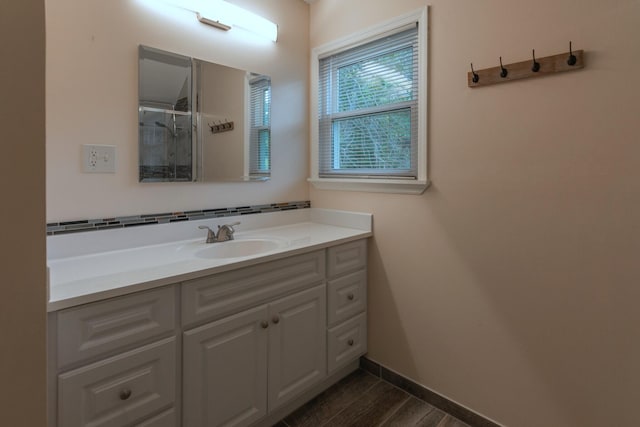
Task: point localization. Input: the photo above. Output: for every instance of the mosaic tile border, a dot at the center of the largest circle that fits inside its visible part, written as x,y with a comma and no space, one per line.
65,227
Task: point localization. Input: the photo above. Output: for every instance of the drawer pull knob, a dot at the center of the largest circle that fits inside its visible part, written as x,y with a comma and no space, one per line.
350,296
275,319
125,394
264,324
350,342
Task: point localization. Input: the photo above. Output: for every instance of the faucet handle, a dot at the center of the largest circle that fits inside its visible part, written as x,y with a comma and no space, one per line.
229,226
225,231
211,235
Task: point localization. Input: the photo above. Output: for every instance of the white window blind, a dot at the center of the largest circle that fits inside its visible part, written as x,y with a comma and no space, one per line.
368,109
260,125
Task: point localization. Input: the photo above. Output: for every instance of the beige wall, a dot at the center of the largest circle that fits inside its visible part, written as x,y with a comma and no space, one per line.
92,93
22,189
512,284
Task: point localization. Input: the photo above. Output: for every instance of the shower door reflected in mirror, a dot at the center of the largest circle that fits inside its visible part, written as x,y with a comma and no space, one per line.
166,142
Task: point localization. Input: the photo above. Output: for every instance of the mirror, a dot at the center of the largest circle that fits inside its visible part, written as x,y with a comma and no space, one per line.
200,121
233,131
165,132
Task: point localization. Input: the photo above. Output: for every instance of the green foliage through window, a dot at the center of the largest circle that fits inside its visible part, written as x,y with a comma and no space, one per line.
376,141
382,80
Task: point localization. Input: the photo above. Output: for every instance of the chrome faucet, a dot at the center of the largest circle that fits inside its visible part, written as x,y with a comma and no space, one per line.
225,232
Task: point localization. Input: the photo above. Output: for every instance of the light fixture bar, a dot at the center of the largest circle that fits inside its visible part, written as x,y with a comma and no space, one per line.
224,16
234,16
213,23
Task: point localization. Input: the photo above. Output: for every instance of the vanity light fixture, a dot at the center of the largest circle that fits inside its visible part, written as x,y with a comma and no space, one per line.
213,23
230,15
225,16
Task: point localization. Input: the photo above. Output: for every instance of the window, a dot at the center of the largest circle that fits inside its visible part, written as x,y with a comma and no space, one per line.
369,117
260,126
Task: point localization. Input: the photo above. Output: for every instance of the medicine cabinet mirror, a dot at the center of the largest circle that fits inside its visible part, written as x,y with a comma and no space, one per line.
201,121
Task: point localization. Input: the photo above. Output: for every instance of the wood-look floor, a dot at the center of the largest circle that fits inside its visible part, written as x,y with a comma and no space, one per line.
363,400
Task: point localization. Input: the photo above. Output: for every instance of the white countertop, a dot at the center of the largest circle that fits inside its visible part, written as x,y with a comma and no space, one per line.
91,266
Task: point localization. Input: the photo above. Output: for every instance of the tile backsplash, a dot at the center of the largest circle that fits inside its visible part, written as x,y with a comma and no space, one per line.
55,228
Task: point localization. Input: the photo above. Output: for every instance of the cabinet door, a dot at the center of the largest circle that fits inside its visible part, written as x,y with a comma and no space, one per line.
297,344
225,371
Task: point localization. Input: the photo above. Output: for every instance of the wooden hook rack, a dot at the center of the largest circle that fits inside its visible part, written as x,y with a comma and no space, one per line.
523,70
221,127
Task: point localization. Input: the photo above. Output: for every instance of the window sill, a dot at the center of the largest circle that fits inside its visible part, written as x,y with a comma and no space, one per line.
371,185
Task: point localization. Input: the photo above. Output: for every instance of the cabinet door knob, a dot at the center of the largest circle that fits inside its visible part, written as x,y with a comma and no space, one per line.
264,324
350,342
125,394
275,319
350,296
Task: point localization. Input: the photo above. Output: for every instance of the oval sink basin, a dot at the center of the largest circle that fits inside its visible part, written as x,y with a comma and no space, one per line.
238,248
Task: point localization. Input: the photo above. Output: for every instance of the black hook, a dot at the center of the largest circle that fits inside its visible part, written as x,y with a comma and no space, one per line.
503,71
572,58
535,67
476,77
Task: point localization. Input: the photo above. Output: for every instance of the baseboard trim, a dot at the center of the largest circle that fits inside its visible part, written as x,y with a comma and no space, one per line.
423,393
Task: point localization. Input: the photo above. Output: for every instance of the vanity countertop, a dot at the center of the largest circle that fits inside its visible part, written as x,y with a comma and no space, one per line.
91,266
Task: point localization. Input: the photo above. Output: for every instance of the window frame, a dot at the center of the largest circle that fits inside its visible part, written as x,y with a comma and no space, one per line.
381,184
262,83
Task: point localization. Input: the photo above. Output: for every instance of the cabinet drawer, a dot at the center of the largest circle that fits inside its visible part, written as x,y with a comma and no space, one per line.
346,342
347,296
95,329
226,293
121,390
165,419
346,258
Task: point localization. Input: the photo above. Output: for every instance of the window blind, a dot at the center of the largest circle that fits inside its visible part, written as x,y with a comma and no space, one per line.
260,125
368,109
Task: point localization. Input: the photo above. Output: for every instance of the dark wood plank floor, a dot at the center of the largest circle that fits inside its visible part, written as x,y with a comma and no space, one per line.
363,400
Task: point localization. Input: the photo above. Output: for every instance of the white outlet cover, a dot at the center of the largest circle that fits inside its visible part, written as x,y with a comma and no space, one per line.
99,158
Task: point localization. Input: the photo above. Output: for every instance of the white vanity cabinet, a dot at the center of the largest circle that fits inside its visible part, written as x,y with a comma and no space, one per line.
236,348
244,365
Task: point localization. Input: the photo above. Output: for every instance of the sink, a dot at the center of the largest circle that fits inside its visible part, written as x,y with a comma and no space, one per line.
239,248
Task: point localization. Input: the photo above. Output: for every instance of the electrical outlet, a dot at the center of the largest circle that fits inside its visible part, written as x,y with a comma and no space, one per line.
99,158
